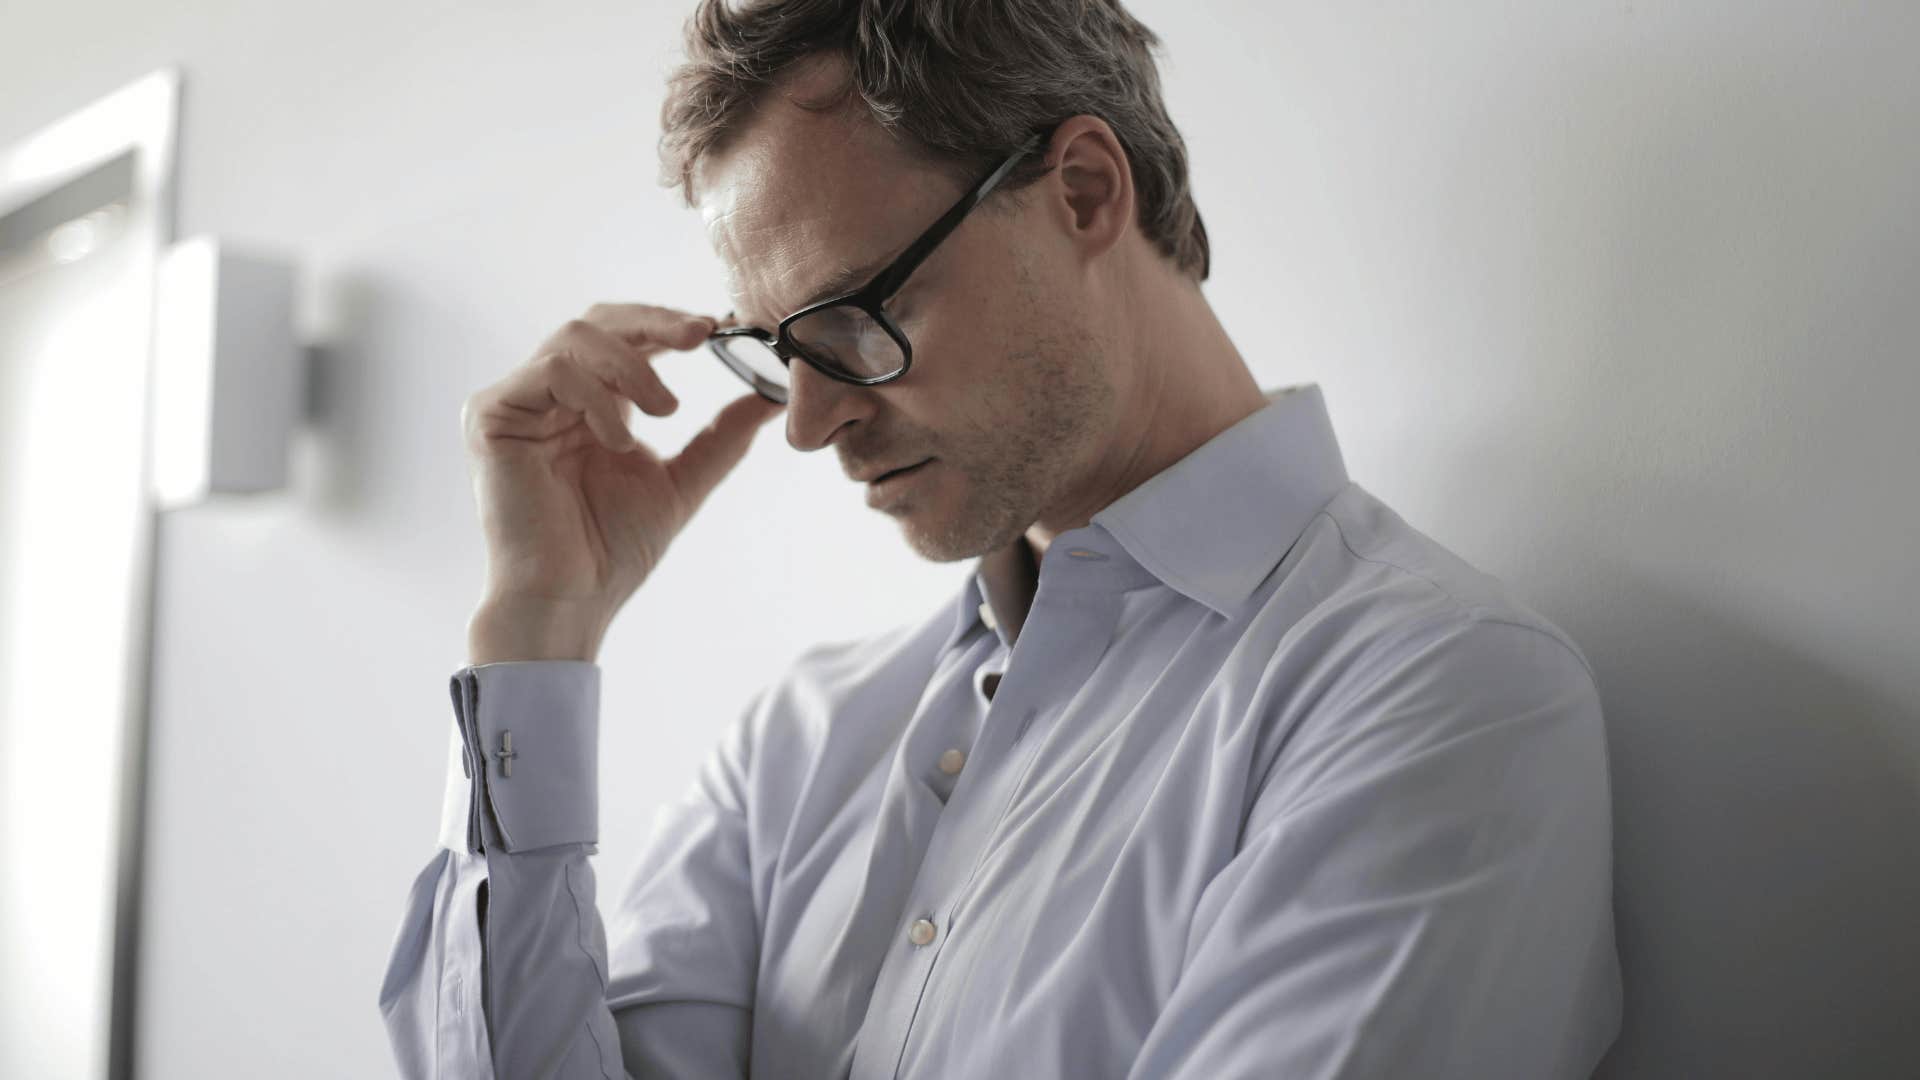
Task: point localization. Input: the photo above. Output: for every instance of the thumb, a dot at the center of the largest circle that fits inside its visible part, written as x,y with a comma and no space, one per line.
710,455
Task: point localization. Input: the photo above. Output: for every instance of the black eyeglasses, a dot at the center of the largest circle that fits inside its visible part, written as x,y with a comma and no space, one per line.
849,337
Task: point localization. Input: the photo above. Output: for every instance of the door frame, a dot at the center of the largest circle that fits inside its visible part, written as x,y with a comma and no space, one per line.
143,117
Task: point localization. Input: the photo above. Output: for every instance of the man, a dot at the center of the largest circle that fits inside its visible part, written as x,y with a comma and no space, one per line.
1214,768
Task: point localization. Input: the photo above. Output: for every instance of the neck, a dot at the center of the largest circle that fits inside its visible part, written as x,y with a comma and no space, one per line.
1179,382
1010,576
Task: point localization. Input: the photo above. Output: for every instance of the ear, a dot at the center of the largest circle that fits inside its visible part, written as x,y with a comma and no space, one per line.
1091,186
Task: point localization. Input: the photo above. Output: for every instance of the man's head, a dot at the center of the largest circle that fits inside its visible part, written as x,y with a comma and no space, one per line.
821,137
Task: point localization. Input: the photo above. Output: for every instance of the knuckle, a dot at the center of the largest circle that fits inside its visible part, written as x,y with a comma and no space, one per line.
476,406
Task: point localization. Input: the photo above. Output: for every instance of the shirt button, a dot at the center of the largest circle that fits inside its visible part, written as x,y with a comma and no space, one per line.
920,932
986,616
951,761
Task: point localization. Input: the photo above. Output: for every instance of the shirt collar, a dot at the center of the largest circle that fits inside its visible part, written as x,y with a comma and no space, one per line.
1214,524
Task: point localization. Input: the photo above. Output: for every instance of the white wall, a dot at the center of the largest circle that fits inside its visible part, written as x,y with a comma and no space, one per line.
1618,301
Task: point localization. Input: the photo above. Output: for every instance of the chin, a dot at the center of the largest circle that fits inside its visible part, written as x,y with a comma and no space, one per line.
934,542
951,537
937,552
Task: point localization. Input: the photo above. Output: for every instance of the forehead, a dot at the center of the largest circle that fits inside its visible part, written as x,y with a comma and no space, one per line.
798,196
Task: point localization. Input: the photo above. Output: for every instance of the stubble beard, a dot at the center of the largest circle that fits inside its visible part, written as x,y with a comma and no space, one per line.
1013,471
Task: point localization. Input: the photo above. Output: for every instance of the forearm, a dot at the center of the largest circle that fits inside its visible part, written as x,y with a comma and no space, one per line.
499,968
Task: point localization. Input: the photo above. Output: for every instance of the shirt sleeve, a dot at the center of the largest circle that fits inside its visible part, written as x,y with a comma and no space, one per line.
499,966
1423,886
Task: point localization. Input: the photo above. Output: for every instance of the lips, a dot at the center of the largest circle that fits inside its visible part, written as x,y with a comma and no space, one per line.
897,472
886,489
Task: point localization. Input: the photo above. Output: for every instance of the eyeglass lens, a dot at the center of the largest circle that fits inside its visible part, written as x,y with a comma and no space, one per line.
842,338
756,362
848,340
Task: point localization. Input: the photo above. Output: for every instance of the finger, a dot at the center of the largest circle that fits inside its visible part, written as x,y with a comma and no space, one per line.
651,327
522,406
622,367
527,398
710,455
574,388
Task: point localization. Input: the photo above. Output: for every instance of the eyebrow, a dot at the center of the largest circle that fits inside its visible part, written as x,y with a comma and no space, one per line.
844,279
841,280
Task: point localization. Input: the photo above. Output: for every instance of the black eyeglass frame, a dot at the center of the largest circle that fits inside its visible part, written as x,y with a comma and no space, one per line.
871,297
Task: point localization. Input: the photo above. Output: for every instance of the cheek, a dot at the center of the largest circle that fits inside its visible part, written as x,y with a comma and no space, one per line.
965,351
942,350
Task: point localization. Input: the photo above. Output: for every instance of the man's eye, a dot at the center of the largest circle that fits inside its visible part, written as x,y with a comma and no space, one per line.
902,307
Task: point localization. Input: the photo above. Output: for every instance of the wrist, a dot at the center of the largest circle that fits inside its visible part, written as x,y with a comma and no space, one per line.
512,629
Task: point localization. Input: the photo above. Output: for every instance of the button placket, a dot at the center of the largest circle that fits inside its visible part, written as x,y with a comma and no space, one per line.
1073,624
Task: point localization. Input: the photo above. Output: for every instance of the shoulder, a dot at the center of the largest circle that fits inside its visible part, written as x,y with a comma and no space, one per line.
1393,594
1388,645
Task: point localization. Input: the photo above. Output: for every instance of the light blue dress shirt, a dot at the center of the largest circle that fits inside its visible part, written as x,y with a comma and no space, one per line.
1273,785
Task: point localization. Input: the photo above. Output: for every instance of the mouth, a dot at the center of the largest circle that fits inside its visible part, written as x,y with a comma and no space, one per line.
898,472
888,484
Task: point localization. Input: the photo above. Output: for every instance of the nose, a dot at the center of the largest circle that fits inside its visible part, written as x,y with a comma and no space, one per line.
818,406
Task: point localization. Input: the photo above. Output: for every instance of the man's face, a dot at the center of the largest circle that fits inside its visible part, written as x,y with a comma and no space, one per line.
1007,392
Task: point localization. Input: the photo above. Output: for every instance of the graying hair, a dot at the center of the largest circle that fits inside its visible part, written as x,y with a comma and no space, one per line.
965,81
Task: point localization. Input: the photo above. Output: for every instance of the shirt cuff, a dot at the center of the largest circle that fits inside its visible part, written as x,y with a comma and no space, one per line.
523,760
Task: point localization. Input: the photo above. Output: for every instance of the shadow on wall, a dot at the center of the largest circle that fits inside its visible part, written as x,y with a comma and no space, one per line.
1724,270
341,382
1768,876
1766,883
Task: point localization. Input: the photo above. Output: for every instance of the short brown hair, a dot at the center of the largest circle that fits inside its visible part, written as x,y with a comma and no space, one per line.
966,81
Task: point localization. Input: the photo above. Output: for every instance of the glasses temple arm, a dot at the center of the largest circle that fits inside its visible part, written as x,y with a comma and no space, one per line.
894,275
